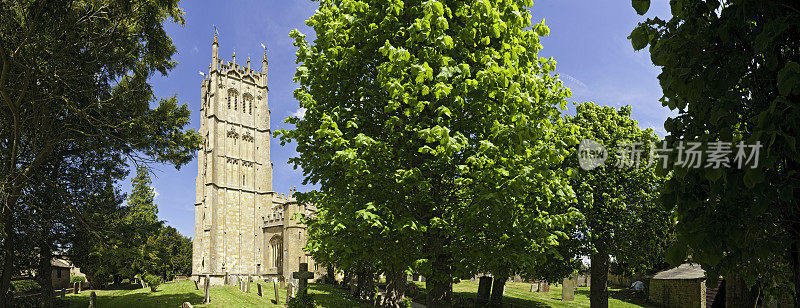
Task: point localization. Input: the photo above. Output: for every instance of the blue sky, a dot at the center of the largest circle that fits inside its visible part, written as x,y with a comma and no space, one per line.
587,39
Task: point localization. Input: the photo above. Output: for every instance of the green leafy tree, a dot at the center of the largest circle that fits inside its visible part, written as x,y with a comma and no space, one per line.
420,117
731,72
619,199
168,253
78,72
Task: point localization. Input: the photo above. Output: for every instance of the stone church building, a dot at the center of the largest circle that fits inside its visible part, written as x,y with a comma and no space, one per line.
242,227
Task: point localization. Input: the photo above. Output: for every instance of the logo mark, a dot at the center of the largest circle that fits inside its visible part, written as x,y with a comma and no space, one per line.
591,154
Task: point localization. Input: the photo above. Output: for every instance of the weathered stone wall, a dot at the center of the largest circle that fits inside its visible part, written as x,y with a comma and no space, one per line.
689,293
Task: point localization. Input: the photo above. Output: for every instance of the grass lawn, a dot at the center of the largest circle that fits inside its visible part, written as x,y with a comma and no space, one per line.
173,294
519,295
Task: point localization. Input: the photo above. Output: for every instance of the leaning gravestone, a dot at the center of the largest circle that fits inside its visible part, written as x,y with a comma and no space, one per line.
277,295
260,291
206,290
92,300
568,290
289,291
302,276
484,289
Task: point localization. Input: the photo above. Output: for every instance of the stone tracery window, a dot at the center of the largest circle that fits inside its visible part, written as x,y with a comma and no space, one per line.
276,249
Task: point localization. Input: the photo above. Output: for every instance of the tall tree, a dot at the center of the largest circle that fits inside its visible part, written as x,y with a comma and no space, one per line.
78,71
426,113
618,199
731,72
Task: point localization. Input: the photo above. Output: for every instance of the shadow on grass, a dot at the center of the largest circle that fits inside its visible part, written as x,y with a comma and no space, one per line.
139,300
466,299
327,295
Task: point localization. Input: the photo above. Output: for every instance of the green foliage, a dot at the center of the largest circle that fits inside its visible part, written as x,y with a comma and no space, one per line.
406,302
622,217
302,300
24,286
729,70
153,281
75,279
75,89
168,253
430,124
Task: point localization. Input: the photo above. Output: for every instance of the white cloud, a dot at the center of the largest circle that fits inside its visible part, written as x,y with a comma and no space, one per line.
155,192
299,113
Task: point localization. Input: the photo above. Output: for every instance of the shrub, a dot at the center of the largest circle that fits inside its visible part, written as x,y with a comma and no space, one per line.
302,301
75,279
24,286
153,281
406,302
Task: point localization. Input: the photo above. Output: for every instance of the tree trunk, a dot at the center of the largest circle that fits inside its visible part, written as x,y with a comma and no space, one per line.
737,294
598,290
8,264
794,261
498,287
395,288
440,283
44,274
366,285
331,275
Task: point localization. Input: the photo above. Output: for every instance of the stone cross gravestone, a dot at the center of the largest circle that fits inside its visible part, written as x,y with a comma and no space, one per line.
92,300
207,290
277,295
260,290
568,290
484,289
302,277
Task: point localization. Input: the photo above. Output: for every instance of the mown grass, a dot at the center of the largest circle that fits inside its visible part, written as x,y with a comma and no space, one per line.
174,294
519,295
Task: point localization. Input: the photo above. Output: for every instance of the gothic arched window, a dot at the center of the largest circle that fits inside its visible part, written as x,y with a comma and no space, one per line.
276,251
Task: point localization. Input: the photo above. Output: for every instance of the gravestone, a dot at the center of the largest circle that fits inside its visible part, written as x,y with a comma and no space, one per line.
544,287
484,289
568,290
283,282
206,290
75,288
260,290
302,276
534,287
289,291
421,278
92,300
277,295
247,285
63,292
187,305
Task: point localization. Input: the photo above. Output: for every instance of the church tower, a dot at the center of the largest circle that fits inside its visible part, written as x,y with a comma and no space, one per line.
234,176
